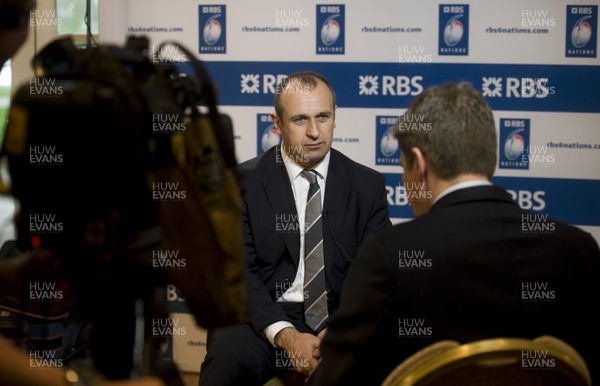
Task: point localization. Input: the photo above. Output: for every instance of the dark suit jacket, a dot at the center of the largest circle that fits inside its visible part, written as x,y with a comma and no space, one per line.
476,266
354,207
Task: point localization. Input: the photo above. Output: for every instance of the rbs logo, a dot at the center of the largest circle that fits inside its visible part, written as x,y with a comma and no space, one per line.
528,200
516,87
399,85
402,85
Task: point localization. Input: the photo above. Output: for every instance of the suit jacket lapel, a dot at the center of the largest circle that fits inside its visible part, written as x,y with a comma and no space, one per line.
337,189
279,194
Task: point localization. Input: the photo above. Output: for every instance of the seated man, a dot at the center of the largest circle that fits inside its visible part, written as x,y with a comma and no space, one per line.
281,279
467,267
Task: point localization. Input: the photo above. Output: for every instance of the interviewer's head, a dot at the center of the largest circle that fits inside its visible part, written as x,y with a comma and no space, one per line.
447,134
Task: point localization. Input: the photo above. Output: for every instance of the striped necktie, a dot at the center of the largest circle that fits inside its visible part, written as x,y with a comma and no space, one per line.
315,294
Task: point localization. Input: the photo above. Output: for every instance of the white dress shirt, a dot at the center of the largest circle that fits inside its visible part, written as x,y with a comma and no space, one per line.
300,186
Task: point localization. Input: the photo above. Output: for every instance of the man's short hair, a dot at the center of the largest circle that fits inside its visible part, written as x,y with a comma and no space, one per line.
299,82
453,125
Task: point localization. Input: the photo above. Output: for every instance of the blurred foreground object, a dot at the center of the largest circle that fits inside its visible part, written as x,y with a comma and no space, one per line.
123,167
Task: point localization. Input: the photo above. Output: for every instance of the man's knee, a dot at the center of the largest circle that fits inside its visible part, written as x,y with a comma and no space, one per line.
237,355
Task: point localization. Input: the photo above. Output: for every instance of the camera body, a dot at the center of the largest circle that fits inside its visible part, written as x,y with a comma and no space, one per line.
91,124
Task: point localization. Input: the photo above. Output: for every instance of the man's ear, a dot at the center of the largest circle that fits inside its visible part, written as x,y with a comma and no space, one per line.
276,122
420,161
334,111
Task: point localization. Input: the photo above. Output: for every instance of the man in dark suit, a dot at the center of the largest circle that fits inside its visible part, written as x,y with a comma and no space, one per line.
471,265
353,201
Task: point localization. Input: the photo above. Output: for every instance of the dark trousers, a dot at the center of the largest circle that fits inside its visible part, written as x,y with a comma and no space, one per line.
237,355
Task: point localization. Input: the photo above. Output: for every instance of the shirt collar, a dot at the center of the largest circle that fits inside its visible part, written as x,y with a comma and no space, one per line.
462,185
293,169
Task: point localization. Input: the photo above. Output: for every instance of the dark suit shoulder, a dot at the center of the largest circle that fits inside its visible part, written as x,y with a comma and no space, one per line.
249,165
254,169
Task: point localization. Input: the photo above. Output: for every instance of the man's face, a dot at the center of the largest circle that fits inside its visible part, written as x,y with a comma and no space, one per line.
306,124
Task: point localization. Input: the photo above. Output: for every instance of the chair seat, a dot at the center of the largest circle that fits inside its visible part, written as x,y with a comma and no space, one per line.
544,361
